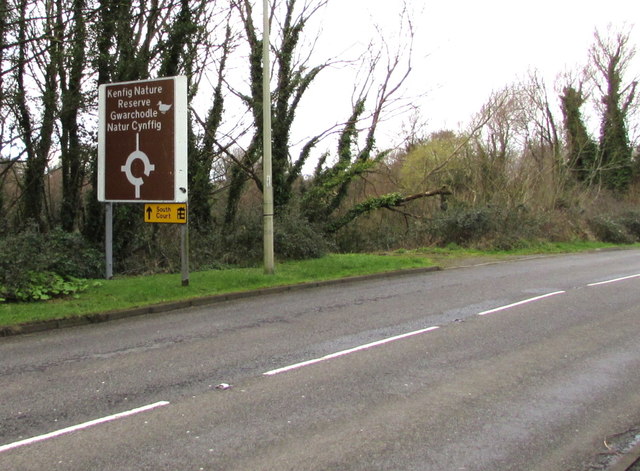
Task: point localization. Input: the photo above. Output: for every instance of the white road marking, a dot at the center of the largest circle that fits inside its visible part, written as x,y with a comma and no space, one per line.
530,300
284,369
347,352
614,280
74,428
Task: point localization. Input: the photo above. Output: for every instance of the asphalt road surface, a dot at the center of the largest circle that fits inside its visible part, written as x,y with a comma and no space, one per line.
525,365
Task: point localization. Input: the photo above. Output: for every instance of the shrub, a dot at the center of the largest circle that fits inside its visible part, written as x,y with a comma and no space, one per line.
35,266
379,230
489,227
294,239
462,225
40,286
610,230
631,222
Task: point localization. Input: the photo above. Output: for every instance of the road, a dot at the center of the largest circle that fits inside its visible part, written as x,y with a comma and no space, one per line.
529,364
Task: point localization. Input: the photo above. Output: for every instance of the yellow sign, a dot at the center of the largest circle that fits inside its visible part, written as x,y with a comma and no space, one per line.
173,213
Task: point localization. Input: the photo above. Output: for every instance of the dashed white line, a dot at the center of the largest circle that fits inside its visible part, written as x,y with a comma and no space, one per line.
284,369
347,352
520,303
75,428
614,280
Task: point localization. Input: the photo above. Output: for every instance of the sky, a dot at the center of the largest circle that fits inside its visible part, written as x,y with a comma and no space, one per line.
465,49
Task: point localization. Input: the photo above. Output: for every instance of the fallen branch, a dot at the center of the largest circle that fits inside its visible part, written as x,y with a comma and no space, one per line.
389,201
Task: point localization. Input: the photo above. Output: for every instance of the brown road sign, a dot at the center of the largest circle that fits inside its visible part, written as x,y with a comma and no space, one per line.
173,213
142,141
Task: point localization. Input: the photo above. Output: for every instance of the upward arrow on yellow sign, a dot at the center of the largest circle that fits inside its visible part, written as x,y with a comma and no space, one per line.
171,213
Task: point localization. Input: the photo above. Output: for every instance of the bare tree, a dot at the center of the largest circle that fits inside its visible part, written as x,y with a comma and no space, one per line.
378,95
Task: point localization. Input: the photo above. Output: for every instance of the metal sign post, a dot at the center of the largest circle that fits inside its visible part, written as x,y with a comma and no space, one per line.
108,240
173,213
184,253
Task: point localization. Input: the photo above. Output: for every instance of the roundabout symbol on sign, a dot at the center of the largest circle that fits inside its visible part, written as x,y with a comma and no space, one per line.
148,166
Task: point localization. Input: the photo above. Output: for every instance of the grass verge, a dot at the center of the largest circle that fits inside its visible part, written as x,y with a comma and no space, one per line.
131,292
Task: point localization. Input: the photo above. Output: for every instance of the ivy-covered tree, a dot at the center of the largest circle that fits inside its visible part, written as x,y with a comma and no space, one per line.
72,70
328,188
4,23
356,154
293,79
203,154
141,40
39,41
582,150
611,58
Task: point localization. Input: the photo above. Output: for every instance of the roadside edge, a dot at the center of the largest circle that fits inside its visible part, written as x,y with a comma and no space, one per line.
95,318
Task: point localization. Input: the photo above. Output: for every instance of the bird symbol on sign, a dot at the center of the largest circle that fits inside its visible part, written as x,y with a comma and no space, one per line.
163,108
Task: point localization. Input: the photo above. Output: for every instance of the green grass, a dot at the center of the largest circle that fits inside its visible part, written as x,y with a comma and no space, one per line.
528,248
123,293
130,292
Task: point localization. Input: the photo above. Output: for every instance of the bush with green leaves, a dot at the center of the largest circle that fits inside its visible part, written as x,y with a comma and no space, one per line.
40,286
36,266
488,227
294,239
461,225
631,222
612,230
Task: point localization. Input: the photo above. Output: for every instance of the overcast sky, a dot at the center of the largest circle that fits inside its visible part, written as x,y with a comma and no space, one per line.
465,49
